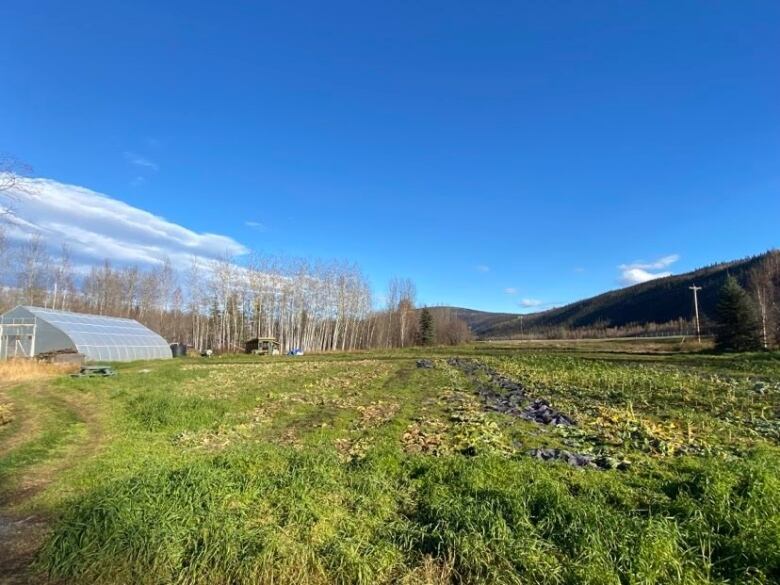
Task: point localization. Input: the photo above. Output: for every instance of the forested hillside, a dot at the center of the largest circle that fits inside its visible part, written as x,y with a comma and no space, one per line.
664,304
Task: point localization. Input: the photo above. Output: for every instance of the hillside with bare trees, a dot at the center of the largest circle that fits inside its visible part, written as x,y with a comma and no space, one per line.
660,307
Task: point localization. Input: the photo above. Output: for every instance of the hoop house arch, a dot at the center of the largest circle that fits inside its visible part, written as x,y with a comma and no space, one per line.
33,330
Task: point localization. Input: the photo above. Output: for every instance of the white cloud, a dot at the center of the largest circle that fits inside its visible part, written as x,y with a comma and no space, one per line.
256,225
510,290
662,262
528,303
638,272
482,268
639,275
96,226
141,161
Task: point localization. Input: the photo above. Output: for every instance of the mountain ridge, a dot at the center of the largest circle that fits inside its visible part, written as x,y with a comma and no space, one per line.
659,301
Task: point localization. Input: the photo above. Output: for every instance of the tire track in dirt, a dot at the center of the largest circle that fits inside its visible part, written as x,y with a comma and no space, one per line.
28,427
22,534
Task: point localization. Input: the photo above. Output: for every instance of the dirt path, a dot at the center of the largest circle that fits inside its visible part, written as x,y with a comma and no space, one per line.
20,538
29,426
23,530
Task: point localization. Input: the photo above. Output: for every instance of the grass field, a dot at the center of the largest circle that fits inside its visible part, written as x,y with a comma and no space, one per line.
365,468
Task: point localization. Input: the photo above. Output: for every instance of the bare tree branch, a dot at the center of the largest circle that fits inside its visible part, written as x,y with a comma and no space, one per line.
11,172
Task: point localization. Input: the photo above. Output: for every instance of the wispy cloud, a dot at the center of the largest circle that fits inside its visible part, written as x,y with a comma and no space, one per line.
662,262
530,303
510,290
482,268
579,270
256,225
141,161
640,271
96,226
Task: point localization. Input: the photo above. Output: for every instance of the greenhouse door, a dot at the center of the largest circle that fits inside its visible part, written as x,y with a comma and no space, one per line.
17,340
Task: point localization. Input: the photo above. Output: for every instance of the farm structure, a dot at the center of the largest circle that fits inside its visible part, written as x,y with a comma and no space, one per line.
262,346
31,331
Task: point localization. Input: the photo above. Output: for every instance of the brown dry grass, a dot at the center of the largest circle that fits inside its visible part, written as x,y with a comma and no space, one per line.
13,371
431,572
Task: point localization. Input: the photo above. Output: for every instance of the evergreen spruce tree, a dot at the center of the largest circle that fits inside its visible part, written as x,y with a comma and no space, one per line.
426,327
737,326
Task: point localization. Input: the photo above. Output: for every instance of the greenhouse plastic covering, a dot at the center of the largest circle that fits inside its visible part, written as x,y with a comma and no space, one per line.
105,338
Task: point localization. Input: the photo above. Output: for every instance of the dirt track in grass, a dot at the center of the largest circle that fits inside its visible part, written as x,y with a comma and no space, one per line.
72,429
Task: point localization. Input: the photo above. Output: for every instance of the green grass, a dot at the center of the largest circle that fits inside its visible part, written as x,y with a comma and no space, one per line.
362,468
59,426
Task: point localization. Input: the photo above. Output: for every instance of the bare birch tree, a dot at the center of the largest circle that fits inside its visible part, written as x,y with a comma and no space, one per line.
62,280
33,272
764,284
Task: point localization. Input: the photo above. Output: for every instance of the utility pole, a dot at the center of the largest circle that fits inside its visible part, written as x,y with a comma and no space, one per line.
521,326
695,290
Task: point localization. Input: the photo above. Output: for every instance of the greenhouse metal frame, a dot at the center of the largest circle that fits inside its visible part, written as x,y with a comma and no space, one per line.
28,331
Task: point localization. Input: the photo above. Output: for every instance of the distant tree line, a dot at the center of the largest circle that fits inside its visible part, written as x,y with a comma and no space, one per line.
602,330
317,306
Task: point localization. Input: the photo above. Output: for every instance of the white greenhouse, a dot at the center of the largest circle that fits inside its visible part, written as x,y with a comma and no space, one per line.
29,331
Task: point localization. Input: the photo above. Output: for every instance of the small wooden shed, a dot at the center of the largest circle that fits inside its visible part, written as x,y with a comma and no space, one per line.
262,346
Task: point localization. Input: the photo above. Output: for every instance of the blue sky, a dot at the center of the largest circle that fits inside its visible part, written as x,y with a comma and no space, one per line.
503,155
